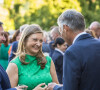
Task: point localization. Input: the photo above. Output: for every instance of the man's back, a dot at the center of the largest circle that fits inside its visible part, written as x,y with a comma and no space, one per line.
82,64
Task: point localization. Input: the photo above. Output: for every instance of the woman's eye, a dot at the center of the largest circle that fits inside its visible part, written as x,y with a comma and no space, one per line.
34,39
41,41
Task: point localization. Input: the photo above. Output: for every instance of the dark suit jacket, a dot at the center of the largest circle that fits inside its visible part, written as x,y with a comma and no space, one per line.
4,80
82,65
51,48
13,50
57,58
45,47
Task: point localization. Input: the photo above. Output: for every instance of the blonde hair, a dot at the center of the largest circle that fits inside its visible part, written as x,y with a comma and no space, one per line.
29,30
91,32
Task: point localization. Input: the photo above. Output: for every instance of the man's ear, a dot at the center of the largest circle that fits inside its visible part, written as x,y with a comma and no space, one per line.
66,27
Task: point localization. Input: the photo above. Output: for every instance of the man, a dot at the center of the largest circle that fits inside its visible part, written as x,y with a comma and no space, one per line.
54,35
81,70
95,26
2,38
45,45
4,80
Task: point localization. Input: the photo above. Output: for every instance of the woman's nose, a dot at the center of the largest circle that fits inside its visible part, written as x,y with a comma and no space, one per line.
38,43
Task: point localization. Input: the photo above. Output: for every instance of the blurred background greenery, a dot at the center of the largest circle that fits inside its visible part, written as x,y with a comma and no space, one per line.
14,13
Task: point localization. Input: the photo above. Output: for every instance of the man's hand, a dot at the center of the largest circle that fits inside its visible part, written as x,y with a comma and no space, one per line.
39,87
51,86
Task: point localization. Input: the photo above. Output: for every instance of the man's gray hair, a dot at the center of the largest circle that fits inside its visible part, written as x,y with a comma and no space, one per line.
55,30
94,25
73,19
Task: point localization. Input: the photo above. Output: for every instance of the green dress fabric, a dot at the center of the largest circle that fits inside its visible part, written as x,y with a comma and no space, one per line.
4,55
32,74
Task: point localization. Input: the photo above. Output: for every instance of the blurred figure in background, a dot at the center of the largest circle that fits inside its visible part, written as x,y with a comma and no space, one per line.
15,37
4,80
57,57
2,38
4,51
95,26
15,44
11,33
45,45
1,27
91,32
54,33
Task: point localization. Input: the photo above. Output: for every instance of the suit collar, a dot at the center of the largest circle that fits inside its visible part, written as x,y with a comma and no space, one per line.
59,51
78,36
83,36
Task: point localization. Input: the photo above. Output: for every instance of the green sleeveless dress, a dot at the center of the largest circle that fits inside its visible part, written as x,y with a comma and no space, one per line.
32,74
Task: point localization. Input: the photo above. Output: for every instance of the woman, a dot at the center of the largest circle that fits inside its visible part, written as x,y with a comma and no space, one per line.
30,67
16,37
91,32
60,47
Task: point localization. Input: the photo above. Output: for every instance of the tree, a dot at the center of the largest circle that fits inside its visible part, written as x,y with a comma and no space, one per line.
90,10
42,12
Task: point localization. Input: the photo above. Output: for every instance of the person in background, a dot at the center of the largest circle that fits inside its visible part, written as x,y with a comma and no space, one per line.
2,38
15,44
54,33
81,63
15,37
30,67
45,45
95,26
57,57
4,52
91,32
4,80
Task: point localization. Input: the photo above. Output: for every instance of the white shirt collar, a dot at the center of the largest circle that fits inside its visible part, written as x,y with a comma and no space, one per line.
59,51
78,36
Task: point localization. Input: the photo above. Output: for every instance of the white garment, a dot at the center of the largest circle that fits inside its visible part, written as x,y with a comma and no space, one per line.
59,51
78,36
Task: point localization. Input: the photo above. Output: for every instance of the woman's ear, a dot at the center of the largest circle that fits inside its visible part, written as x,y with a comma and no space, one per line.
24,44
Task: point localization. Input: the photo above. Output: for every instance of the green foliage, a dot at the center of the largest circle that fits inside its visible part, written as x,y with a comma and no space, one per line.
90,10
46,12
42,12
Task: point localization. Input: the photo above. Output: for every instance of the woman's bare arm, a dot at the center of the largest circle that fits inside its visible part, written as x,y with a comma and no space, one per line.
53,73
12,71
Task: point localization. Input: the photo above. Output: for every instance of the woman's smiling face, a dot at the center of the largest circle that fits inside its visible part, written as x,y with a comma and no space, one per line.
34,43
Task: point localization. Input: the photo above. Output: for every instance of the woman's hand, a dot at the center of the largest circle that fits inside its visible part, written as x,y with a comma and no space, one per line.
21,87
40,88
